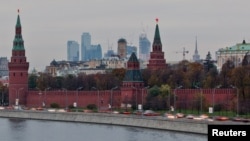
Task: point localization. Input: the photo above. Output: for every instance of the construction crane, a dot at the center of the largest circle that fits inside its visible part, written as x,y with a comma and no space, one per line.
184,52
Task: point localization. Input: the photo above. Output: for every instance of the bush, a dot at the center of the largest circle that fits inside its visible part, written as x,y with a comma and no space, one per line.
54,105
92,106
71,106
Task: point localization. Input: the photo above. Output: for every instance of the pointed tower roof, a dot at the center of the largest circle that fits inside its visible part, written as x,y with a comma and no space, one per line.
133,58
18,40
133,73
18,23
157,37
196,50
157,60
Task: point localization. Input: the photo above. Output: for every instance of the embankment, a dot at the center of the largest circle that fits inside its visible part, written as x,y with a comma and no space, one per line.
160,123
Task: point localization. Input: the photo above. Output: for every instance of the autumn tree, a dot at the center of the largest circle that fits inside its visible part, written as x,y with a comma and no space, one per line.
226,74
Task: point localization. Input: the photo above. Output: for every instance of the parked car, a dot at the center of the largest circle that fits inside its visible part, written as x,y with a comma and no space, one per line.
151,113
180,115
138,112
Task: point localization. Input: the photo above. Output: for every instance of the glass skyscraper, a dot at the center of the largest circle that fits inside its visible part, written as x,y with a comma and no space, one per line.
72,51
85,45
144,47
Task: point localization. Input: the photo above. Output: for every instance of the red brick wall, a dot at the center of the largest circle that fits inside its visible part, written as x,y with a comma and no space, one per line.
183,97
64,98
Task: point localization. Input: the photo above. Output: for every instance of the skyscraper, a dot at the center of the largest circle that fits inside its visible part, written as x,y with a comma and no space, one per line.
85,45
72,51
144,47
4,71
95,52
122,48
130,50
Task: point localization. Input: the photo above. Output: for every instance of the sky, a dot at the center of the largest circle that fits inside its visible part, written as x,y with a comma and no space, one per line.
47,25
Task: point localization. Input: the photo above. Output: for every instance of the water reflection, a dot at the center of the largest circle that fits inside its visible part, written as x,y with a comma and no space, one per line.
39,130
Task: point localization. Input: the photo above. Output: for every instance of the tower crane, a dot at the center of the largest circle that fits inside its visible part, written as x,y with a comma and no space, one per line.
184,52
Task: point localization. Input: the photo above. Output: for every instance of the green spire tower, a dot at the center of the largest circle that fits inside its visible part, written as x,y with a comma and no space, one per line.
157,60
18,69
18,40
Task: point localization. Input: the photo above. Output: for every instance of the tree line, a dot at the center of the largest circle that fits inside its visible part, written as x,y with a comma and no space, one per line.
187,74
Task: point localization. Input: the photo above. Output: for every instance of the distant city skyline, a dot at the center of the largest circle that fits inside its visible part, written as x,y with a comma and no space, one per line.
48,25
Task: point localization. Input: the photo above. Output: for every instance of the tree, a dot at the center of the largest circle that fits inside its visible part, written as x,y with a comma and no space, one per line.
32,81
119,73
226,74
165,95
70,82
194,75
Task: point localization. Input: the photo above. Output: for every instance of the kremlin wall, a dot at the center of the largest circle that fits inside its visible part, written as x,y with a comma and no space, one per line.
131,91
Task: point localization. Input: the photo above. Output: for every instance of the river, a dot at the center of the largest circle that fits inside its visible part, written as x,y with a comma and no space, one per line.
40,130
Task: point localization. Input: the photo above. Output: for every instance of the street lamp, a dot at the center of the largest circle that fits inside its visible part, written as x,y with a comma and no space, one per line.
201,97
40,94
98,98
19,92
111,98
135,96
16,97
45,98
142,97
79,88
213,95
66,99
237,92
2,99
175,97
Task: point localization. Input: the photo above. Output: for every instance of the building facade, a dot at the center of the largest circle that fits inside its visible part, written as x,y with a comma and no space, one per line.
130,50
122,48
95,52
72,51
144,47
18,69
157,60
85,45
4,71
234,53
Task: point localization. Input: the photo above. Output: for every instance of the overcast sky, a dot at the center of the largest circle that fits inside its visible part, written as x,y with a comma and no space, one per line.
47,25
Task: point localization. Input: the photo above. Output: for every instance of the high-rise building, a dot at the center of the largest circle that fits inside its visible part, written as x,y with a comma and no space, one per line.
109,53
157,60
130,50
196,56
4,71
95,52
72,51
85,45
144,47
18,69
122,48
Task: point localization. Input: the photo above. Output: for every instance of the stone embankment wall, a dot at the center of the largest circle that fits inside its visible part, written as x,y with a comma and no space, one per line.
160,123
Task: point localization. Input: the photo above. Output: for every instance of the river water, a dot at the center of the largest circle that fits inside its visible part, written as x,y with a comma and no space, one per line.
40,130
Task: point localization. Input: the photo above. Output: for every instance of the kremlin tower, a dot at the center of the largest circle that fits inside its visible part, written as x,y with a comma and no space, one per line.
133,85
157,60
18,69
